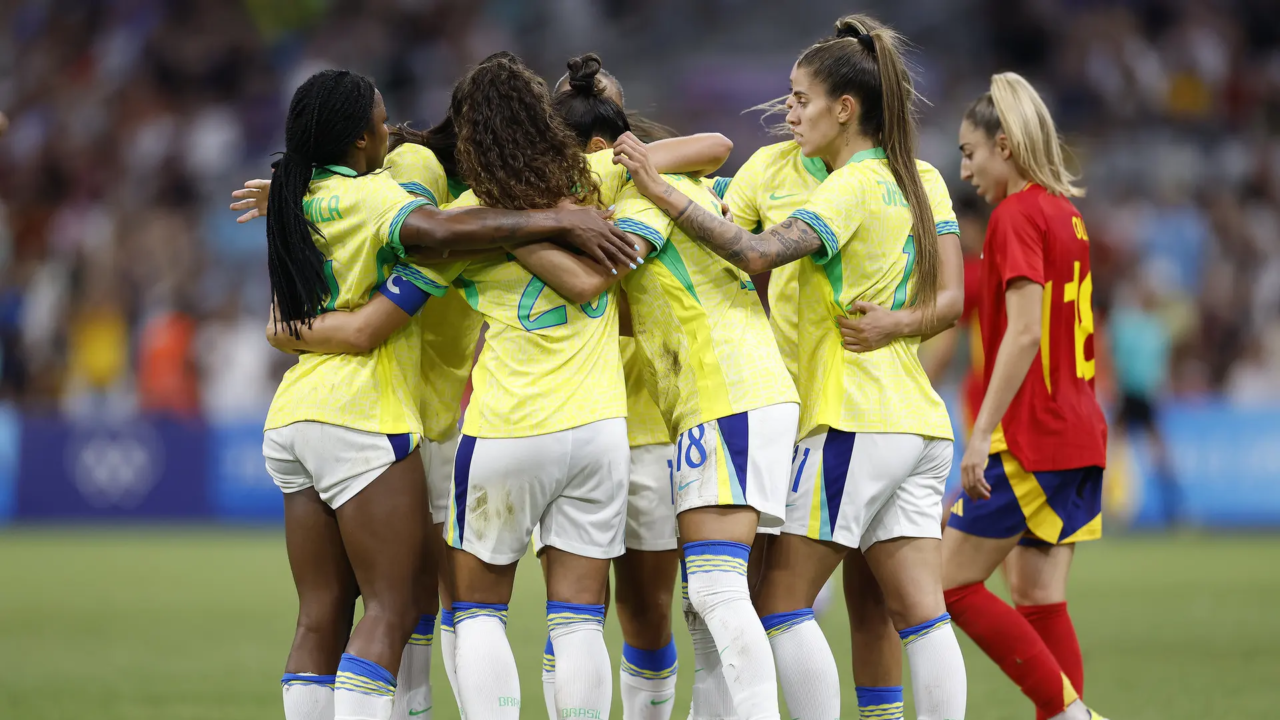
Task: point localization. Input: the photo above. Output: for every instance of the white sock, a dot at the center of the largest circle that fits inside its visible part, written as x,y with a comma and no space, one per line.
549,679
413,683
648,681
806,667
584,674
447,641
488,683
710,698
1075,711
307,696
938,681
363,690
717,574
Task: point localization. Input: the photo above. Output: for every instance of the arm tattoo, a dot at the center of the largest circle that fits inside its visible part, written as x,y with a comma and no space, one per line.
787,241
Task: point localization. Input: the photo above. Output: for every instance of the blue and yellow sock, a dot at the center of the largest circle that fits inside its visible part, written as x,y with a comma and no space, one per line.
880,703
918,632
778,623
364,676
648,679
307,696
806,668
363,689
463,611
425,631
549,679
584,674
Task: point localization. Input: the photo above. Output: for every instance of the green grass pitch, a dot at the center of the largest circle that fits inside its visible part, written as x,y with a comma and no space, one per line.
180,624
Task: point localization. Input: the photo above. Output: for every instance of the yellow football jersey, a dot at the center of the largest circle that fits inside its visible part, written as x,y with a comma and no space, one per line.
610,176
775,182
645,425
699,320
868,254
450,327
378,391
547,364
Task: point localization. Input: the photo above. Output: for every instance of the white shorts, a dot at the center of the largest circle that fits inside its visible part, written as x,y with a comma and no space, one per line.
742,459
572,483
437,461
338,462
858,489
651,508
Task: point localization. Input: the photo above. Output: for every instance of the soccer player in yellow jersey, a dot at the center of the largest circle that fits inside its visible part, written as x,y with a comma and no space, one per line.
726,396
876,447
647,603
774,182
341,426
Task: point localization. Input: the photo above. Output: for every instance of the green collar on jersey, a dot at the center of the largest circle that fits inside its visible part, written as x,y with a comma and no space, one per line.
456,186
328,170
818,169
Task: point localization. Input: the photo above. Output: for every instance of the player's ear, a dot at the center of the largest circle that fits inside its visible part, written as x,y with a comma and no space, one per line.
597,144
846,109
362,141
1003,147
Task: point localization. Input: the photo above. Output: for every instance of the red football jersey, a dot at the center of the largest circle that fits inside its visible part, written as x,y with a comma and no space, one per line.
1054,421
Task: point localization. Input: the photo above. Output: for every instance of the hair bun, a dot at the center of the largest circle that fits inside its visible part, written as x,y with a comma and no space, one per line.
582,73
850,27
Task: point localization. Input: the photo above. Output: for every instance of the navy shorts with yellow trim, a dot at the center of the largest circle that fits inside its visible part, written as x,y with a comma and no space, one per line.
1056,507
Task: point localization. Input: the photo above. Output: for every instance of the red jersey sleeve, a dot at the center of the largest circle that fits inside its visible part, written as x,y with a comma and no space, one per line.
1018,242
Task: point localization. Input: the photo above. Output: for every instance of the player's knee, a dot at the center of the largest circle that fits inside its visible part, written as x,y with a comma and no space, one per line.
646,617
324,614
1032,594
395,612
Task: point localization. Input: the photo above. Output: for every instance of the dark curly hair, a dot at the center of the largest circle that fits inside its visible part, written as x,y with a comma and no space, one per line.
513,149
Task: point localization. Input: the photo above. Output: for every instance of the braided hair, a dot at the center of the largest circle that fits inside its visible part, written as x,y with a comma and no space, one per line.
327,114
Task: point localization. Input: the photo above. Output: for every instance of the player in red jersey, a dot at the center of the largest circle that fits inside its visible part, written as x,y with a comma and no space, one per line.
1032,471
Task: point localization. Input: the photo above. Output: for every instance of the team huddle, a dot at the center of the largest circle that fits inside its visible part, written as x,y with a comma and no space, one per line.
635,407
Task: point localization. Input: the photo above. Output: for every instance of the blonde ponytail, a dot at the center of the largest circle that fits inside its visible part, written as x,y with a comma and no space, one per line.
1014,107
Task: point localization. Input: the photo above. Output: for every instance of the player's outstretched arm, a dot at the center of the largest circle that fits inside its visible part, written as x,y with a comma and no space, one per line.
342,332
479,227
574,277
876,326
778,245
696,155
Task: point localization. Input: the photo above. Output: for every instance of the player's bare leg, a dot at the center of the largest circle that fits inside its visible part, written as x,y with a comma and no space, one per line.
909,571
645,583
876,648
326,604
716,546
795,570
383,532
413,682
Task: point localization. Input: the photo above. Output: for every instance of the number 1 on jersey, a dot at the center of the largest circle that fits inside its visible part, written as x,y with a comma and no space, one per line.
900,292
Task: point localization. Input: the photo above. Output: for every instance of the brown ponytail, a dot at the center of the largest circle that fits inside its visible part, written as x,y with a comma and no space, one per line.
865,61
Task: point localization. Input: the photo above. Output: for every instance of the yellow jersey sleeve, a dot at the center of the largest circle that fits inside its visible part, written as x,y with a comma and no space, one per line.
944,213
636,214
835,211
418,171
610,176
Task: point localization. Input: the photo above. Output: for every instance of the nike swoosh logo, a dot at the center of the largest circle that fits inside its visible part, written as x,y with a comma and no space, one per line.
685,485
659,702
791,505
775,196
414,713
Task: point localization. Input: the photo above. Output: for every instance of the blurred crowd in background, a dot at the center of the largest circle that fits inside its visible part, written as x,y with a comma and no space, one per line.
126,284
